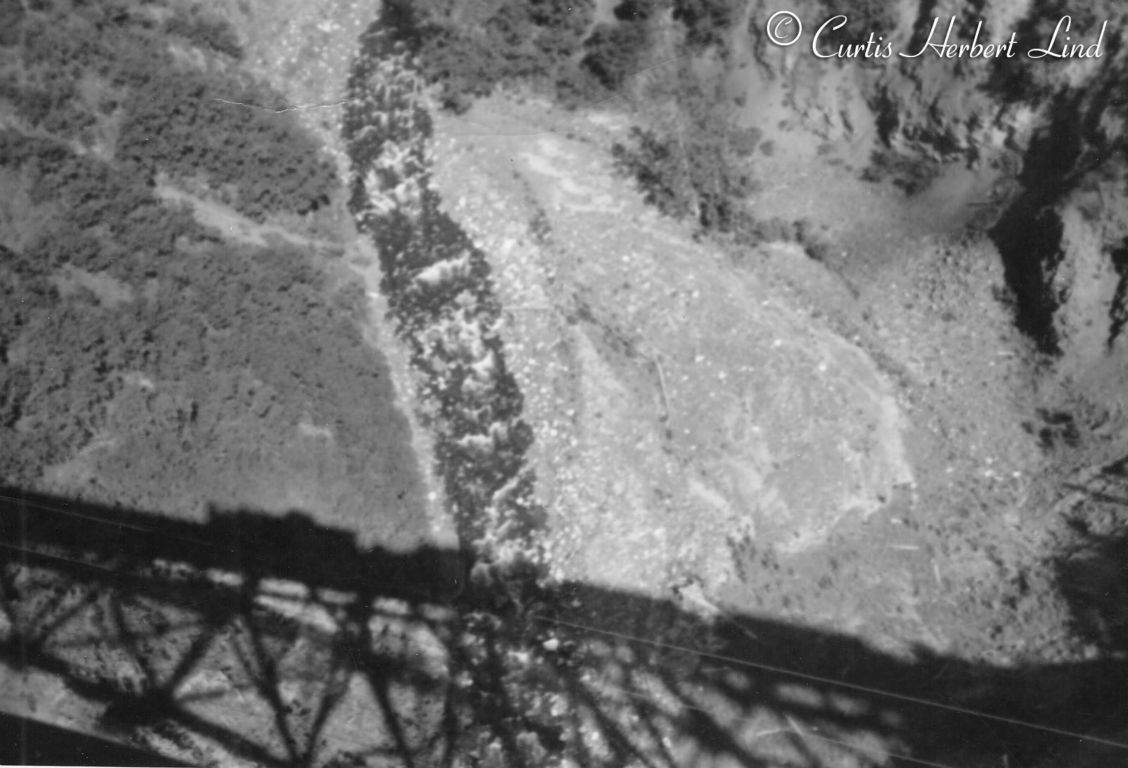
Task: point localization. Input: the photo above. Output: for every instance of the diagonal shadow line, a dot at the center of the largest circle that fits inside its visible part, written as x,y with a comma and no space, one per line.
511,643
378,682
448,723
650,724
802,748
578,741
7,588
611,731
265,675
440,743
872,721
639,700
84,641
461,665
375,671
801,742
875,757
199,645
197,597
57,622
196,651
57,598
709,731
338,676
495,671
916,677
231,740
129,640
102,691
215,694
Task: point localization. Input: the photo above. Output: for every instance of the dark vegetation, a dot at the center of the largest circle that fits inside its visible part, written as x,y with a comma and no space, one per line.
909,174
613,52
240,157
469,51
100,64
698,173
692,174
119,313
554,46
706,21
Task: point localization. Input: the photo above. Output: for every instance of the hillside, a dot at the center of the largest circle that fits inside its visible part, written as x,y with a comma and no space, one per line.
563,383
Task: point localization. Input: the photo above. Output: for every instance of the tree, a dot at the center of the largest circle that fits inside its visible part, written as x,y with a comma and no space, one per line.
706,21
613,52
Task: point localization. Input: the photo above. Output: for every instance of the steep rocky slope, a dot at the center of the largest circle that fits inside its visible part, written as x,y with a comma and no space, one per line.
1029,147
682,407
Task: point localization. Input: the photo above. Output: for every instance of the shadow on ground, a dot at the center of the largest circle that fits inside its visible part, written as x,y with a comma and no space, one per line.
277,642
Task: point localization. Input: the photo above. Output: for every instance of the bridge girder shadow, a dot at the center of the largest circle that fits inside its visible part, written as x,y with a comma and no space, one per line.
275,641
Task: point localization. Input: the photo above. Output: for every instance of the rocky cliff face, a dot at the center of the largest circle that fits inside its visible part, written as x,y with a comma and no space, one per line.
1042,136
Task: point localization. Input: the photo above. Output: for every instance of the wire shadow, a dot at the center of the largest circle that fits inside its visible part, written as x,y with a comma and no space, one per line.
276,641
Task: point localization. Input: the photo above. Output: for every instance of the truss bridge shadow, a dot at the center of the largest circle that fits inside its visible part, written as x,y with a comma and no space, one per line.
265,640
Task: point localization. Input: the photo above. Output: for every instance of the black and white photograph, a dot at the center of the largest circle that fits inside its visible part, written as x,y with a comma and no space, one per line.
564,383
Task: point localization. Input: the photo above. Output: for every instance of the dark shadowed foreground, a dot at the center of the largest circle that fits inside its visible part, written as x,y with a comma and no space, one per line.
275,641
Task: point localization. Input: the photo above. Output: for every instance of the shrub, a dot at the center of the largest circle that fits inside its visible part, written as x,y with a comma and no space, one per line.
706,21
528,41
692,177
63,359
182,123
659,169
614,52
464,65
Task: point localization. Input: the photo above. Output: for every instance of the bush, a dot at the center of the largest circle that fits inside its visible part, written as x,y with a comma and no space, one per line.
910,174
54,109
464,65
203,313
706,21
175,121
182,124
659,169
527,41
693,177
614,52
